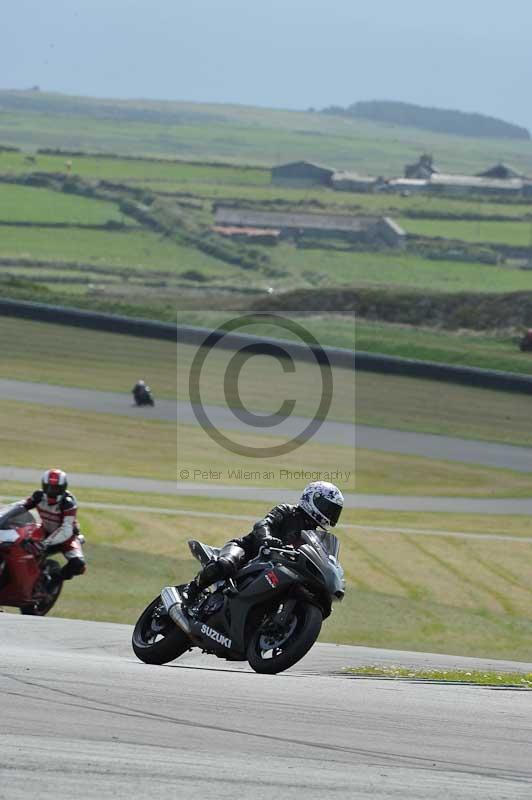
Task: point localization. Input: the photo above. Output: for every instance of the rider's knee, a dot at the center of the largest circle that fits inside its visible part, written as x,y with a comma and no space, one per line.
231,557
74,566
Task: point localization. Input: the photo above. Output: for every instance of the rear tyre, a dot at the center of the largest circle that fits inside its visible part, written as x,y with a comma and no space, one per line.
156,639
273,649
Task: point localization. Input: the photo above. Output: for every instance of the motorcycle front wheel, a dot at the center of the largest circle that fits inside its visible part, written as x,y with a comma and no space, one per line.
46,591
273,648
156,639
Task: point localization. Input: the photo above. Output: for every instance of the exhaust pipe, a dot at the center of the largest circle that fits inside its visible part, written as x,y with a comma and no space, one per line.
172,603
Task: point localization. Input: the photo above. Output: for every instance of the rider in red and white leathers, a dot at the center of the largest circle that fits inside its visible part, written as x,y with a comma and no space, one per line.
57,509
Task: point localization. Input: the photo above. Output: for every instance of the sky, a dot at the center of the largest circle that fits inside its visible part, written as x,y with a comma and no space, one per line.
472,55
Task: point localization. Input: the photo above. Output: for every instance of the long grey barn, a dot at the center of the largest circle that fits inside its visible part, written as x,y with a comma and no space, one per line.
302,173
294,225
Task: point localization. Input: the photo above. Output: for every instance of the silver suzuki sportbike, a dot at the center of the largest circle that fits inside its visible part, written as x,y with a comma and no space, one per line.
269,615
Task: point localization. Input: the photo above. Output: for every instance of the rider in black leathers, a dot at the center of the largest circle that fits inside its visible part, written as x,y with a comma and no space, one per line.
320,506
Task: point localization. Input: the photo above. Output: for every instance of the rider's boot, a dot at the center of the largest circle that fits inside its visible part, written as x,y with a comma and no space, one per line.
189,594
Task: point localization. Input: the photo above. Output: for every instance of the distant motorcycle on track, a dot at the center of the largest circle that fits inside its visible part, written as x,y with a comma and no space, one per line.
29,580
142,395
269,615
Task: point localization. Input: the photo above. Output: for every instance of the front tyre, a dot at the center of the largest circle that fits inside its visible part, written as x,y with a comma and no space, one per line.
46,591
156,639
274,648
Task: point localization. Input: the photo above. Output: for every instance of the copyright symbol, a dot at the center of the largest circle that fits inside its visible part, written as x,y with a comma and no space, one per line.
184,474
230,383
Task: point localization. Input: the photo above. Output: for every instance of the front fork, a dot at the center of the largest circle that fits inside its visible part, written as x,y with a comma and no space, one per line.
282,617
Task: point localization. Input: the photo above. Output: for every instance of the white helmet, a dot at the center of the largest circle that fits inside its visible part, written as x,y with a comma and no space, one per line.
323,502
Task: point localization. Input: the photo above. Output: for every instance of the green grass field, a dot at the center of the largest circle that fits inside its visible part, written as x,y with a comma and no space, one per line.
517,234
240,133
447,409
134,250
109,444
314,267
484,349
132,170
27,204
126,262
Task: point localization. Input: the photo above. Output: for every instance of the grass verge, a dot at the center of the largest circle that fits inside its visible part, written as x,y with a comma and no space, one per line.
487,350
426,406
475,677
107,444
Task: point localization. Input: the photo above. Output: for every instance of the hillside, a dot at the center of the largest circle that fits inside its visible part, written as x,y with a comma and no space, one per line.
438,120
239,134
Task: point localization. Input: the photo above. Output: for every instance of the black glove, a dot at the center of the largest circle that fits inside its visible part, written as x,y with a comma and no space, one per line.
272,541
36,548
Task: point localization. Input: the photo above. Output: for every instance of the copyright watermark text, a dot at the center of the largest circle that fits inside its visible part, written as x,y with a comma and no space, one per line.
283,475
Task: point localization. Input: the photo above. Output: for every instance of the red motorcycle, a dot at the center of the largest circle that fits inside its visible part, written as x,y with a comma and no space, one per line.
29,580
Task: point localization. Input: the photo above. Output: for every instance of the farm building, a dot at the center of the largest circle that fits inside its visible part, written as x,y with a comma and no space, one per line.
406,185
469,184
255,235
422,169
500,171
302,173
351,182
297,225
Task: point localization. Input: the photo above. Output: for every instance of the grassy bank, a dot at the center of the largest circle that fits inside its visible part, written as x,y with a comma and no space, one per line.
442,408
106,444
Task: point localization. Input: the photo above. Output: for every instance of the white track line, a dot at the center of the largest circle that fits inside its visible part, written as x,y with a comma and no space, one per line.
182,512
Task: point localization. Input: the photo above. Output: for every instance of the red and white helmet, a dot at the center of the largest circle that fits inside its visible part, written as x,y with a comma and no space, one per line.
323,502
54,483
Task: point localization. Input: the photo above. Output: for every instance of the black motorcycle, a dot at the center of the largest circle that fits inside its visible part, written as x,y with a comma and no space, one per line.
270,614
143,396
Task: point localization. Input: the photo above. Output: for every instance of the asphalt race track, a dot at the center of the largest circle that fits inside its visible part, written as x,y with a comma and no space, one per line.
81,717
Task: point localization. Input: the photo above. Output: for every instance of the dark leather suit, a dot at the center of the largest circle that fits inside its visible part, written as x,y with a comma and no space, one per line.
284,522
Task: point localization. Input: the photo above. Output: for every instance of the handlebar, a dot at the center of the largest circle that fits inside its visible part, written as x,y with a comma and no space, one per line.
288,551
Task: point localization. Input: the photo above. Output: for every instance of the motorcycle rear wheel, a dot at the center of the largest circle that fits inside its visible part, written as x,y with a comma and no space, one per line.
156,639
273,650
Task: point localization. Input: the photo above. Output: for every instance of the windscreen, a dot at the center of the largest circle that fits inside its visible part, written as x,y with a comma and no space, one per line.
324,541
14,516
